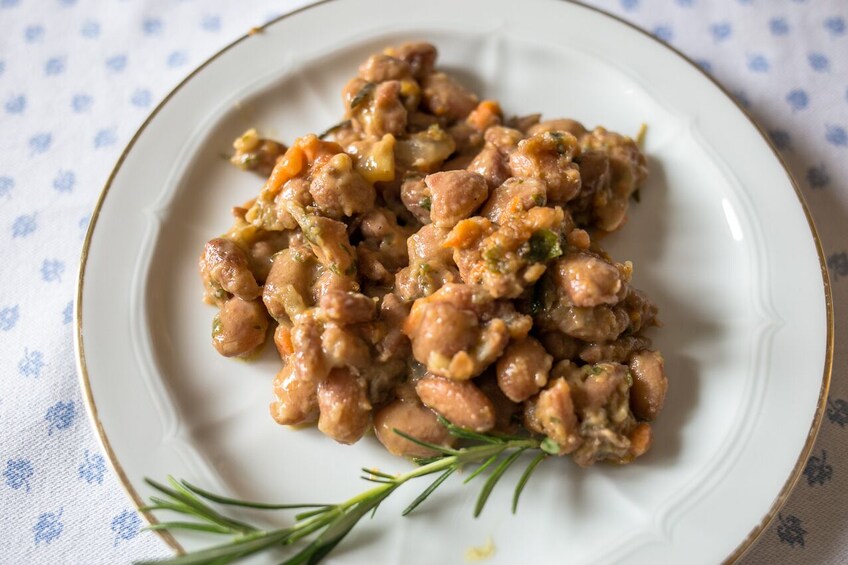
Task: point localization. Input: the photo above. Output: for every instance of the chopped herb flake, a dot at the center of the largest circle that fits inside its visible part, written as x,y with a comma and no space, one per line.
549,446
363,93
544,245
333,129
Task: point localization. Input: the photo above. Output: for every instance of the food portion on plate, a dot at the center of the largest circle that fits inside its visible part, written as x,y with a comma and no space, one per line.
437,258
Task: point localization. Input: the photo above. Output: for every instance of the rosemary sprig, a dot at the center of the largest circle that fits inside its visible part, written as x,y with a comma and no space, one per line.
330,523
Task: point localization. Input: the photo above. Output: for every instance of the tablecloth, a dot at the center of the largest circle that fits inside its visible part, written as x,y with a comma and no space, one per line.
78,77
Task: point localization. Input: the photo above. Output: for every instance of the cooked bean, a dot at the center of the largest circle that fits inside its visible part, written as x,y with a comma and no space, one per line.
523,123
461,403
601,386
297,399
491,165
558,344
286,291
308,361
594,185
601,323
619,350
442,331
328,282
328,240
414,420
344,408
420,56
430,264
383,248
640,439
507,258
468,139
507,412
262,249
240,327
343,348
416,198
641,311
647,395
444,96
224,268
381,67
347,307
455,195
458,331
573,127
338,190
504,139
523,369
256,154
587,280
514,195
548,156
552,413
628,169
426,246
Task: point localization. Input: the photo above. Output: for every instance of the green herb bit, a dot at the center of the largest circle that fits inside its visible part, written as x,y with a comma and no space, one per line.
494,257
333,129
537,303
544,245
217,326
426,203
363,93
328,524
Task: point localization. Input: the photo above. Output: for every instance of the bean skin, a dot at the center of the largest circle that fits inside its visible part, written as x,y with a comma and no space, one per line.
461,403
413,419
297,401
345,412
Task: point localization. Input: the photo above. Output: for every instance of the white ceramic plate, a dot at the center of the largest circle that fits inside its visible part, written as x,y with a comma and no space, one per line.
721,241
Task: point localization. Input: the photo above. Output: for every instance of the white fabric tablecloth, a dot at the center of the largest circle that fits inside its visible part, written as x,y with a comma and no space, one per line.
78,77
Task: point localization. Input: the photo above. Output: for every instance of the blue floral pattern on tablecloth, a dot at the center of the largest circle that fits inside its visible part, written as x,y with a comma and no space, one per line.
77,78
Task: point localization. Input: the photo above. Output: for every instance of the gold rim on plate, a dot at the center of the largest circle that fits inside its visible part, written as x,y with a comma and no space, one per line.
169,539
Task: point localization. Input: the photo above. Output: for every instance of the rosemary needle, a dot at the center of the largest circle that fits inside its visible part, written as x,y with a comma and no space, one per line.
326,525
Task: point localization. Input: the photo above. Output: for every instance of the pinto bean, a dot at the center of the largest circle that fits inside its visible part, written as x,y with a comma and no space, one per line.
491,165
523,369
286,290
347,307
587,280
382,67
419,56
240,328
514,195
573,127
414,420
548,156
416,198
344,408
552,413
647,395
455,195
461,403
224,266
338,190
444,96
297,399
